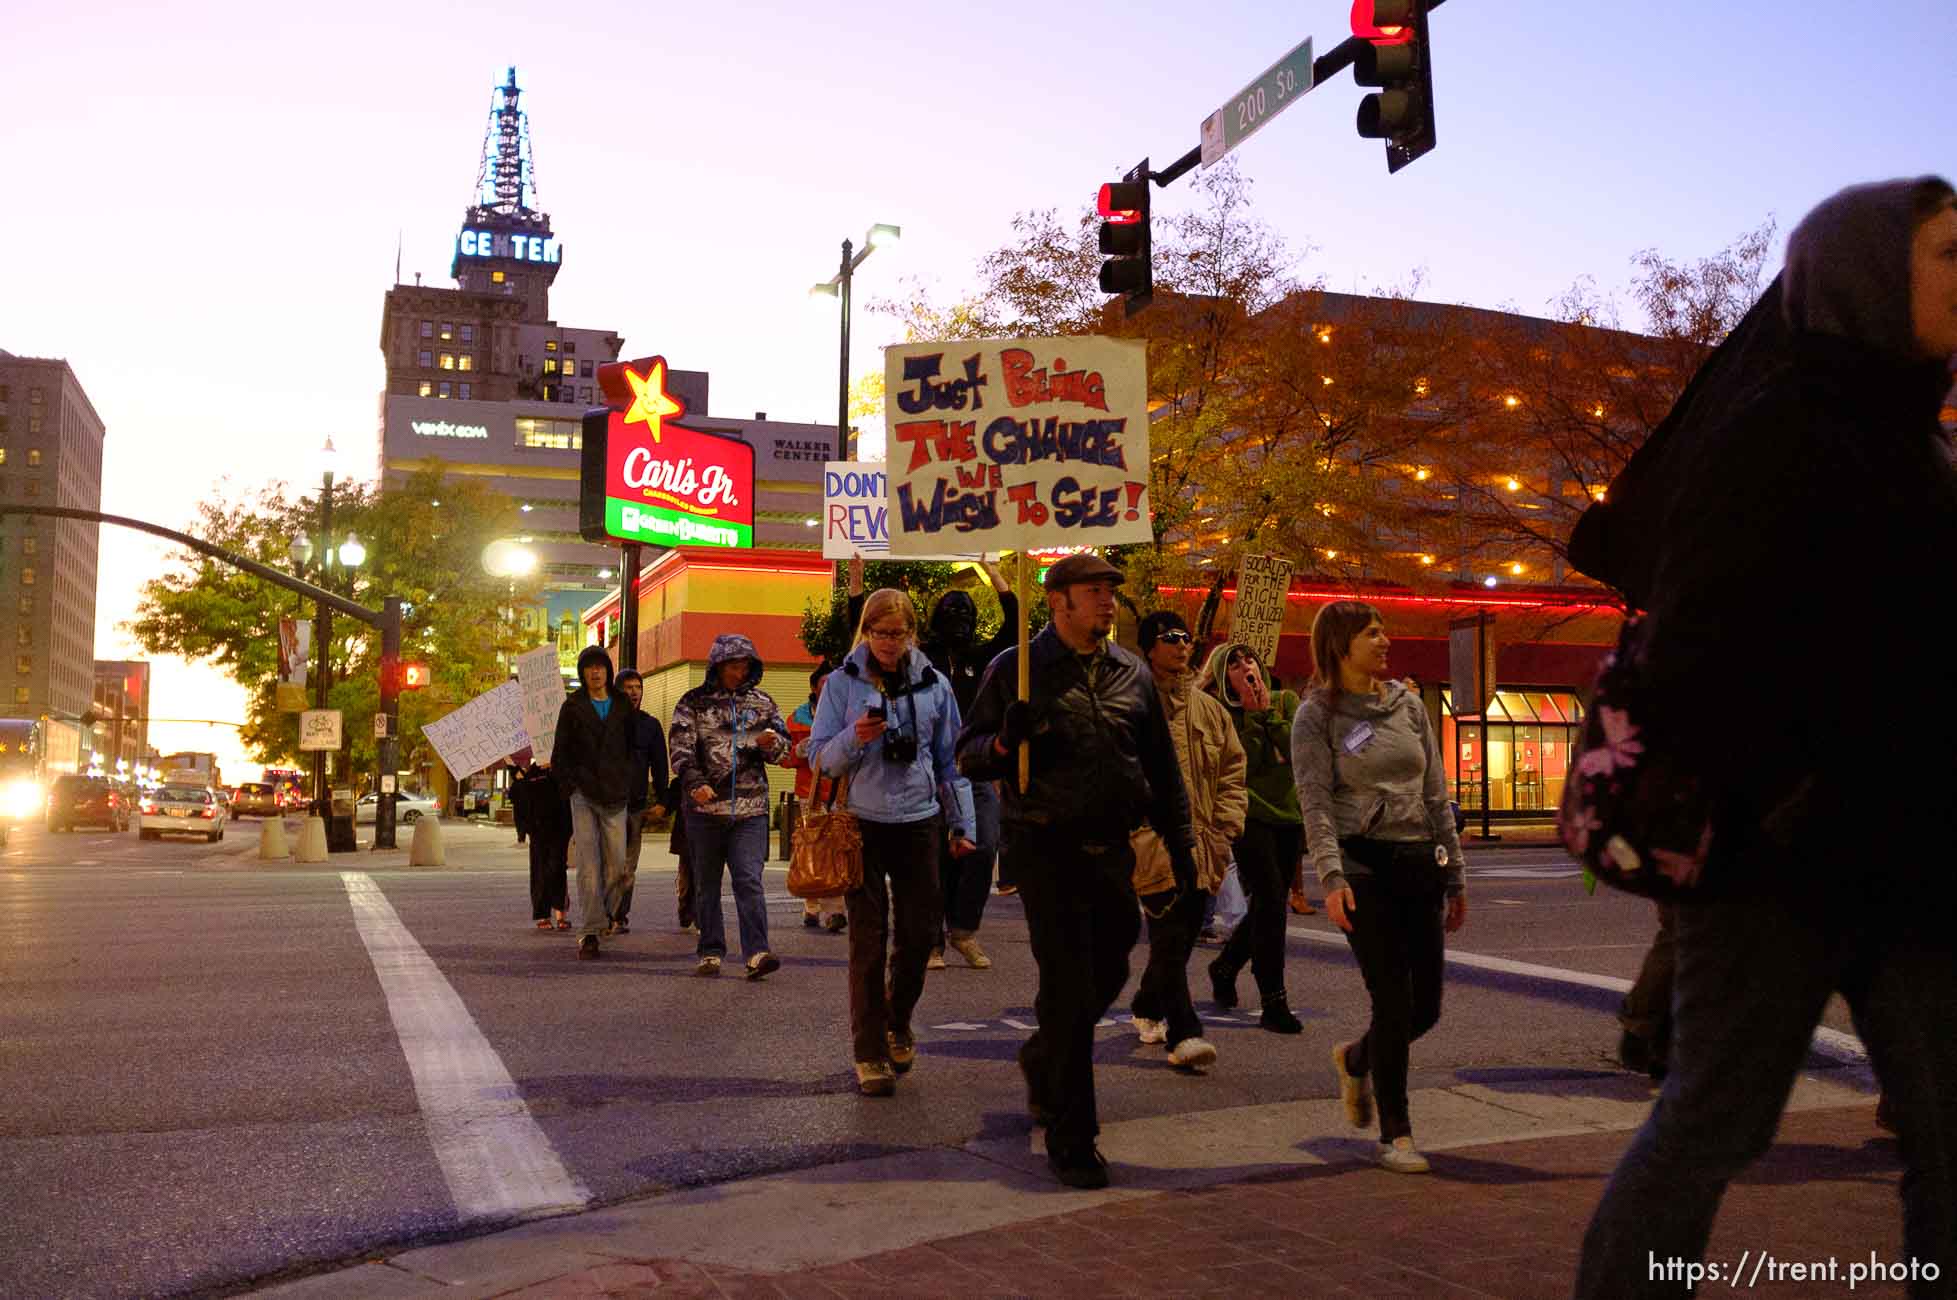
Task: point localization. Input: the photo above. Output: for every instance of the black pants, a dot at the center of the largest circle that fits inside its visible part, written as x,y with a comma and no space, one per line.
968,880
549,859
1646,1012
897,904
1082,920
1397,937
1265,856
1163,993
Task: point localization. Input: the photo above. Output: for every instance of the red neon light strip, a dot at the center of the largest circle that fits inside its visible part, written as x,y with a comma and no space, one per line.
1499,602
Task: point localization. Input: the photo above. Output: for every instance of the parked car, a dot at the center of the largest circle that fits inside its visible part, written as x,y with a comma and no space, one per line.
182,810
408,809
256,799
86,801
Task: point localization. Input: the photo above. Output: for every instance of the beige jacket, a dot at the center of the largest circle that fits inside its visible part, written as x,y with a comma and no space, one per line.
1212,762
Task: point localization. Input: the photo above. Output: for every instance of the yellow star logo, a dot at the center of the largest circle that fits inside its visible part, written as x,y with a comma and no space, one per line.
650,401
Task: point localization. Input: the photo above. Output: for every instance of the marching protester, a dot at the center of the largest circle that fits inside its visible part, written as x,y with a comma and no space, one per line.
543,816
649,758
1803,472
1212,762
1102,762
953,647
725,733
592,759
888,722
827,913
1268,848
1374,795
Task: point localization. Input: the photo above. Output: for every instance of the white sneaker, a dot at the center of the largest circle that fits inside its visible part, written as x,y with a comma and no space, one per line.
1402,1157
1192,1054
1152,1031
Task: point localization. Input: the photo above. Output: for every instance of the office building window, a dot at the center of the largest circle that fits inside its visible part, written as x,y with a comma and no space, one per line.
427,388
24,664
3,455
426,360
448,330
20,697
465,362
584,392
584,370
33,455
496,277
26,634
448,361
27,604
464,392
468,334
3,422
428,329
443,389
563,435
3,392
30,546
33,488
550,345
27,577
35,397
570,346
550,365
33,424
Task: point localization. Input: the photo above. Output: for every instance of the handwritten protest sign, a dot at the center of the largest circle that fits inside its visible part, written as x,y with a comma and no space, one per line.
1257,619
855,513
1002,444
486,730
542,684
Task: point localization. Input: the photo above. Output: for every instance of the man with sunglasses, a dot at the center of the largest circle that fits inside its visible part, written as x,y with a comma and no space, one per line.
1212,762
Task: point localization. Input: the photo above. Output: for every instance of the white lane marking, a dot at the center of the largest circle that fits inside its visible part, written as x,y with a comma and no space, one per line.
497,1161
1846,1048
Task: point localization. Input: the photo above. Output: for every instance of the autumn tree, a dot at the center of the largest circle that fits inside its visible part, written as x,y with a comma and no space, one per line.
424,541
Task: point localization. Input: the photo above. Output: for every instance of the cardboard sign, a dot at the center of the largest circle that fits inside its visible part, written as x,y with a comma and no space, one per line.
856,513
486,730
646,478
1010,444
542,684
319,729
1257,619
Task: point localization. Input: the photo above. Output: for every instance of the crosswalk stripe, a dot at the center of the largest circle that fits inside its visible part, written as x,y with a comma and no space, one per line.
495,1158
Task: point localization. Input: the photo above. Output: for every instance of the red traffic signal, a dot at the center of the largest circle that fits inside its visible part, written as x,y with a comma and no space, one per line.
1383,22
1123,203
414,676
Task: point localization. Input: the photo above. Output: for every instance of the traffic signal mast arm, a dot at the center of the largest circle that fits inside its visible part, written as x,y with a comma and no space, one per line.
1334,61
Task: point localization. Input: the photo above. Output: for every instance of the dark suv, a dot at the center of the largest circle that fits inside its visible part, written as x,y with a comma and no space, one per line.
86,801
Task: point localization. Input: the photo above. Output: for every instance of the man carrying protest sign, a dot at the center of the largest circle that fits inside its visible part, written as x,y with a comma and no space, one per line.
1102,762
592,760
649,774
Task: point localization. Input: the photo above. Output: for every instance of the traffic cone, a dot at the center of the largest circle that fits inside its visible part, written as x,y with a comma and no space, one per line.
426,848
312,841
271,840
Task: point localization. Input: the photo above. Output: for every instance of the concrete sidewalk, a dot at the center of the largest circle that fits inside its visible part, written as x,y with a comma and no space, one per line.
1265,1200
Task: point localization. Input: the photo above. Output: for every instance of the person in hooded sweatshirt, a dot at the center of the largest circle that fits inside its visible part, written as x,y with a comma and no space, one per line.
725,733
951,644
889,722
1269,844
1373,791
594,765
1799,538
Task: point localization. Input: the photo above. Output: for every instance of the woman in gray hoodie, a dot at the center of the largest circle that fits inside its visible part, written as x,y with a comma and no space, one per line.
1374,797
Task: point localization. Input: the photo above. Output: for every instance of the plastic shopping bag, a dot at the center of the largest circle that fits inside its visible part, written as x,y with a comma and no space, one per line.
1230,901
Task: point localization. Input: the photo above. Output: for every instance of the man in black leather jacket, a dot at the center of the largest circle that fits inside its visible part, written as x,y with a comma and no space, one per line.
1102,762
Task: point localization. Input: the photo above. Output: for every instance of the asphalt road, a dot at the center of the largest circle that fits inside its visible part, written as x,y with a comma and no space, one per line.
206,1082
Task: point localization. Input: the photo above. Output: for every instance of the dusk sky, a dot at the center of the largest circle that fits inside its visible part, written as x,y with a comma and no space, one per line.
203,201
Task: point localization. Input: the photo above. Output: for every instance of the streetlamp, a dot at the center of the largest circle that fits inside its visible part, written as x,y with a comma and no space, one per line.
838,285
349,554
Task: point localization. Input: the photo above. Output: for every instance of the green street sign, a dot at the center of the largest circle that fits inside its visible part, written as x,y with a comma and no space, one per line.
1283,83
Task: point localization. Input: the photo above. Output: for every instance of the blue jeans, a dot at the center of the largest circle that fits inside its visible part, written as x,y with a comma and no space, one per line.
968,880
599,833
740,846
1754,975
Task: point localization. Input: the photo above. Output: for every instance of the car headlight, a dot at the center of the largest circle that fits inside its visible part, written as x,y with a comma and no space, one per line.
21,800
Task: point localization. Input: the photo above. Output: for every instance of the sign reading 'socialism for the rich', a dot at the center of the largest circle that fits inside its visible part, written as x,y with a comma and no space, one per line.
647,478
1002,444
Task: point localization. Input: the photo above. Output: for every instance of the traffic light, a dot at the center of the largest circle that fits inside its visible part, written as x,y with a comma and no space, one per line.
414,676
1397,59
1130,268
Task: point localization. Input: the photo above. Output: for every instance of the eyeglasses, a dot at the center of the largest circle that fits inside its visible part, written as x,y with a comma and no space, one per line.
887,633
1175,636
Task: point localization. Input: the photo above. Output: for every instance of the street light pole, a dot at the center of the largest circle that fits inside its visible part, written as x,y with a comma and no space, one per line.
842,372
323,633
390,743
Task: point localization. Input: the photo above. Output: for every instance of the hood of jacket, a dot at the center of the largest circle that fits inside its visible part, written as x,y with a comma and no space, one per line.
1216,675
1848,267
729,647
1386,701
593,654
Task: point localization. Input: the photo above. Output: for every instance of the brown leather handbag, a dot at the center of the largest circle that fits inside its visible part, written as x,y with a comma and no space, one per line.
828,858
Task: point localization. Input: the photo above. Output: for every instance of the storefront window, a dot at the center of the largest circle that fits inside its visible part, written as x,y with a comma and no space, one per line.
1525,742
562,435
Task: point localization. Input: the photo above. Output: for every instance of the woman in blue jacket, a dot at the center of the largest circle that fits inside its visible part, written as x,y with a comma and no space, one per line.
888,722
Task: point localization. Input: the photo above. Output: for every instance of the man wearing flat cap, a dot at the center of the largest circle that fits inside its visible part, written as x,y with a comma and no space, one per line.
1103,762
